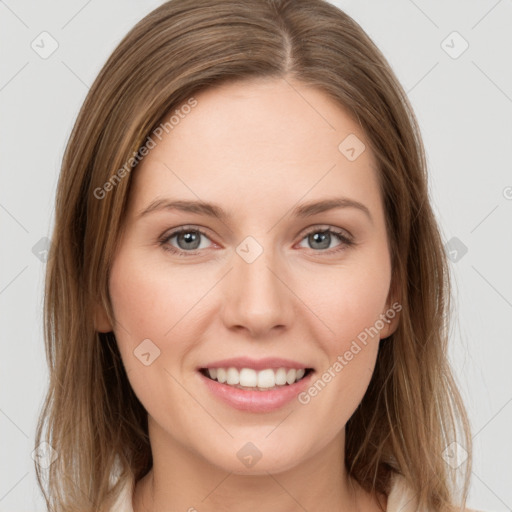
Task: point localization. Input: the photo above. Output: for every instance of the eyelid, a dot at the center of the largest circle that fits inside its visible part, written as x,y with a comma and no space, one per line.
345,237
167,235
326,227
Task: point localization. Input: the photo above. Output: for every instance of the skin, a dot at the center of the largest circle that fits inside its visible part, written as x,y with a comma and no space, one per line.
257,148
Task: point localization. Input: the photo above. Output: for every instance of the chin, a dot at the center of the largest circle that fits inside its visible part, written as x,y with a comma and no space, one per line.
257,457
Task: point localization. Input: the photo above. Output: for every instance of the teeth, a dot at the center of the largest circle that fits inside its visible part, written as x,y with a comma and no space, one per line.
221,375
290,376
249,378
281,377
266,379
232,377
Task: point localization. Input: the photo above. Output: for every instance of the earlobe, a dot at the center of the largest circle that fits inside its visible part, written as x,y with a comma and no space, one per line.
391,324
101,321
391,315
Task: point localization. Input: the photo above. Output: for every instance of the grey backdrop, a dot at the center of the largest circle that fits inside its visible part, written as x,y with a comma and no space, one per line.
454,60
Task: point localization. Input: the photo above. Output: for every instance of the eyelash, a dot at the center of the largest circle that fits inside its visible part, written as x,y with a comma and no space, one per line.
164,240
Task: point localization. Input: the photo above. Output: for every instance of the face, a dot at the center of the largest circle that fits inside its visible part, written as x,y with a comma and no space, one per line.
270,285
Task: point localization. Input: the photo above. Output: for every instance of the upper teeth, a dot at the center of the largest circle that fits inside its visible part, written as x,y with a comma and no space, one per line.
248,377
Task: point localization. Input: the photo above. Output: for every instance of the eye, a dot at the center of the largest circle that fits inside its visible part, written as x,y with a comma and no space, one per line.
321,239
187,239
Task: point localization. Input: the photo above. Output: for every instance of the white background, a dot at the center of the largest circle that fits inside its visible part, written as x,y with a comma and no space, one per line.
464,107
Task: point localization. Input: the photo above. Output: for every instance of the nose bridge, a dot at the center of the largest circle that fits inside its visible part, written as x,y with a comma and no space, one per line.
257,298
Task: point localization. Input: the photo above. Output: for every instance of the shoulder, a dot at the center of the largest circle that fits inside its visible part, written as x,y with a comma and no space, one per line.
123,502
402,498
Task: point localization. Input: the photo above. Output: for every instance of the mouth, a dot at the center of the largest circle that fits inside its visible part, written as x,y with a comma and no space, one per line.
250,379
255,385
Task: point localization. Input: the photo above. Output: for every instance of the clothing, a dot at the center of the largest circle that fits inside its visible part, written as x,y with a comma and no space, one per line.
400,499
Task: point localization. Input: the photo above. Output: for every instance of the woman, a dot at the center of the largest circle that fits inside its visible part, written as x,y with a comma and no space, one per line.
247,294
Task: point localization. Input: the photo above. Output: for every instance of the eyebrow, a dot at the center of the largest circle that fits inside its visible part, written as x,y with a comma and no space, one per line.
212,210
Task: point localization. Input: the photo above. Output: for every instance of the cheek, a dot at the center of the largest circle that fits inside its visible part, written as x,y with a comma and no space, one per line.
146,306
150,306
149,300
349,301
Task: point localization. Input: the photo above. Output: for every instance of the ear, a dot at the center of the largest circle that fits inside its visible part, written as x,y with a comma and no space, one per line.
101,321
390,318
391,313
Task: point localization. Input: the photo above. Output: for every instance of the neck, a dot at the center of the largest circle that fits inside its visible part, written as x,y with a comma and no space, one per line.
184,480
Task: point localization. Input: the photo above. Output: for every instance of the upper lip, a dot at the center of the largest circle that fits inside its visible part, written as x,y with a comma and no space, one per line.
256,364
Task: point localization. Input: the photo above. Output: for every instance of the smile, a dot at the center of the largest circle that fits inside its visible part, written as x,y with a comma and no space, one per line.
251,379
252,385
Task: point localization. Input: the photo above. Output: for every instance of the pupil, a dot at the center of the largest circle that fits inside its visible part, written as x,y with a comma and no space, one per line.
322,237
190,237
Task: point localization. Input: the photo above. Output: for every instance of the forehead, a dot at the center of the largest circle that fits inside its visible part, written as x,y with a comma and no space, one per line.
255,137
266,113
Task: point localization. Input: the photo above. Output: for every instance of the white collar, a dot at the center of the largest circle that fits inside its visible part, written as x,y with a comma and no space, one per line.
400,499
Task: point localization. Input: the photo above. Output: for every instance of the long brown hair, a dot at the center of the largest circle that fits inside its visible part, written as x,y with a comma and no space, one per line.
412,410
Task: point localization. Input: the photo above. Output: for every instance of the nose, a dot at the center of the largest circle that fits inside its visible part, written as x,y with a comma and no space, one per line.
256,295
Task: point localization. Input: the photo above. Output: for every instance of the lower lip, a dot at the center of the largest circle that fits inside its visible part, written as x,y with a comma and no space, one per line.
256,401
